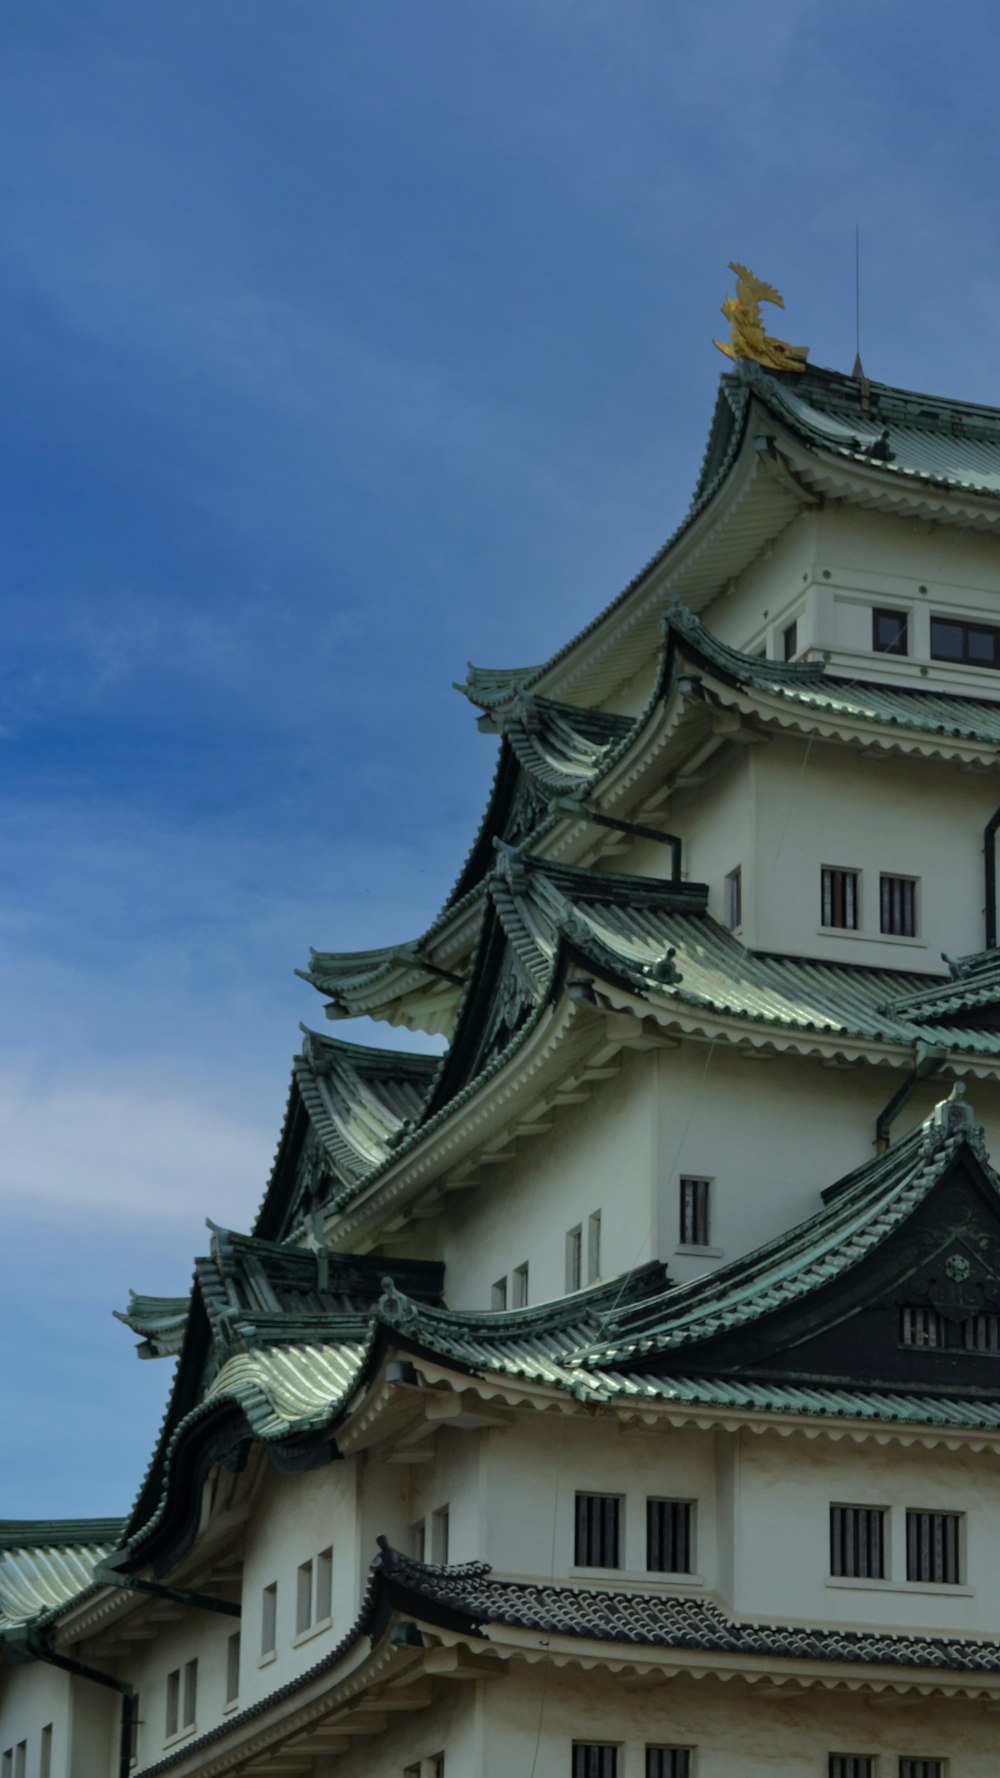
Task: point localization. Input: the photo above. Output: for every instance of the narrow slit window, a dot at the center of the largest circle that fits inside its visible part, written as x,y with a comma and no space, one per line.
594,1247
574,1259
790,641
132,1736
233,1668
840,901
190,1694
498,1294
440,1534
920,1326
696,1203
437,1765
303,1597
598,1531
21,1760
324,1586
45,1752
858,1541
898,906
851,1765
889,632
521,1286
933,1548
594,1759
173,1721
668,1762
418,1540
269,1620
734,898
669,1536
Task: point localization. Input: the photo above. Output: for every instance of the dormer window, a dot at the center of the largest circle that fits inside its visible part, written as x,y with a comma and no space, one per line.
975,645
889,632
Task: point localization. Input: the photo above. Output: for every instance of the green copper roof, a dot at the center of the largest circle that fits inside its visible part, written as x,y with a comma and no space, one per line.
45,1564
158,1320
487,686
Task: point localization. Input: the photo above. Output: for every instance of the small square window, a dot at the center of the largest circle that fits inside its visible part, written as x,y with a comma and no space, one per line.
734,898
594,1247
670,1536
574,1259
594,1759
269,1620
898,906
597,1542
668,1762
498,1294
840,899
851,1765
696,1218
889,632
790,642
521,1286
858,1541
933,1548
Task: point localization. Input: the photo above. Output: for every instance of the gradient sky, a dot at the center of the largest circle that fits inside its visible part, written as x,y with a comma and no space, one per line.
339,343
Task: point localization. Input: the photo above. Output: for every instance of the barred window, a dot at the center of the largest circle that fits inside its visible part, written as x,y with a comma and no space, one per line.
669,1536
840,900
668,1762
696,1223
898,906
981,1333
933,1547
598,1531
857,1541
595,1759
922,1768
889,637
851,1765
734,898
922,1327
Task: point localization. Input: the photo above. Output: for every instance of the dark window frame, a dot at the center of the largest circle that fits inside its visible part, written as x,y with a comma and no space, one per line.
851,1765
963,654
597,1530
840,898
934,1547
668,1762
890,631
595,1759
695,1205
734,898
790,640
898,905
670,1535
859,1541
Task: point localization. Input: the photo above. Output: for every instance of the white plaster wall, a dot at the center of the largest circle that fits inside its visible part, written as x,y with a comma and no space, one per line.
32,1696
534,1716
452,1481
453,1725
199,1635
598,1157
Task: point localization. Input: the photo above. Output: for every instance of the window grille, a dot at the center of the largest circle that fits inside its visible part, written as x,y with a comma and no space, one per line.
922,1768
919,1326
574,1258
498,1294
269,1620
840,901
790,641
976,645
932,1547
851,1765
981,1333
668,1762
598,1531
695,1212
439,1535
857,1541
45,1753
669,1540
594,1759
889,632
594,1247
233,1668
734,898
521,1286
898,906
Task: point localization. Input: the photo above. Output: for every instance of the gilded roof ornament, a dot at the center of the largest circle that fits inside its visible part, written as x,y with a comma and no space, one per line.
748,336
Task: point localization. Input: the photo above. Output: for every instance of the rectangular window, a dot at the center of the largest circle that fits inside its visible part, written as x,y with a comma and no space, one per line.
574,1259
173,1722
45,1754
851,1765
190,1706
269,1620
598,1531
668,1762
898,906
922,1327
922,1768
981,1333
521,1286
440,1534
857,1541
324,1586
734,898
233,1668
21,1760
437,1765
594,1759
412,1771
889,632
594,1247
303,1597
418,1540
669,1540
696,1225
498,1294
933,1548
840,900
132,1705
7,1763
975,645
790,641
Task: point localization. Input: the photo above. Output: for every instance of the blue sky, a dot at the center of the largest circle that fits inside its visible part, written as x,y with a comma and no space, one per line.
340,343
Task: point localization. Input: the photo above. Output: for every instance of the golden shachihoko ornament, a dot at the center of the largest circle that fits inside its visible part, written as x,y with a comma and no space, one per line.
748,338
